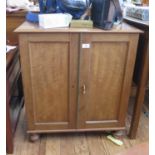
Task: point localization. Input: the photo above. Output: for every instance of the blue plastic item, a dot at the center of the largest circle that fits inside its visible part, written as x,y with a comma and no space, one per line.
32,17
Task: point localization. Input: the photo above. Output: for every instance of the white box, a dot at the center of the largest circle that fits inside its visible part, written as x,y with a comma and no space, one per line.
54,20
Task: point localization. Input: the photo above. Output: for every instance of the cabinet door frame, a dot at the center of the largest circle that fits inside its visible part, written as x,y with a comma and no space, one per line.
131,40
73,41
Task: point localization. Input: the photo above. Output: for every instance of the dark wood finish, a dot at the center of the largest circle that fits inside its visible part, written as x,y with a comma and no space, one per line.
69,88
13,79
140,95
9,134
9,57
145,2
141,74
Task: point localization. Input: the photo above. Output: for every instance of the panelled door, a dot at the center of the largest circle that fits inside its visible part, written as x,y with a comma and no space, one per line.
49,65
106,68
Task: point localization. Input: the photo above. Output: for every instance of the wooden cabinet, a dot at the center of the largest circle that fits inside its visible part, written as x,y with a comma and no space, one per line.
76,79
13,20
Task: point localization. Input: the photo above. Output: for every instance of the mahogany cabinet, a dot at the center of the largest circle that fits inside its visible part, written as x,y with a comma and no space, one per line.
76,79
14,96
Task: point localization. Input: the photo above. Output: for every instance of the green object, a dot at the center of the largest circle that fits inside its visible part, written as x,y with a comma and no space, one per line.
81,24
114,140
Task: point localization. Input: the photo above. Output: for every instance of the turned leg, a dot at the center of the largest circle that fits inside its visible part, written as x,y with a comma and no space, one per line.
33,137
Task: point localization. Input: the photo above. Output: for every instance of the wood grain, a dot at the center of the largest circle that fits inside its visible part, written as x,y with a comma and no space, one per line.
80,144
140,94
50,79
53,145
141,76
106,71
95,145
70,88
69,142
28,27
9,135
12,22
49,73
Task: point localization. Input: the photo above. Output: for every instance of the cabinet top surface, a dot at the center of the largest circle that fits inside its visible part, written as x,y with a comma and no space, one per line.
20,13
28,27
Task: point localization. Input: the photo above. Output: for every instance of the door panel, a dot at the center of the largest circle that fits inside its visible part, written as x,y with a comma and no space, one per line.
107,65
53,74
102,73
49,74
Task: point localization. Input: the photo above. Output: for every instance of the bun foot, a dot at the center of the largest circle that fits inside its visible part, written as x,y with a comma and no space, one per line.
119,134
33,137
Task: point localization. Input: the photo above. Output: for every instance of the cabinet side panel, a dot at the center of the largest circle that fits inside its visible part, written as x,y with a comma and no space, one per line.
49,79
25,70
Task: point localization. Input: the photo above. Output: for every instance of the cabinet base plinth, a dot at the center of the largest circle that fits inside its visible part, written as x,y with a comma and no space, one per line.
77,130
